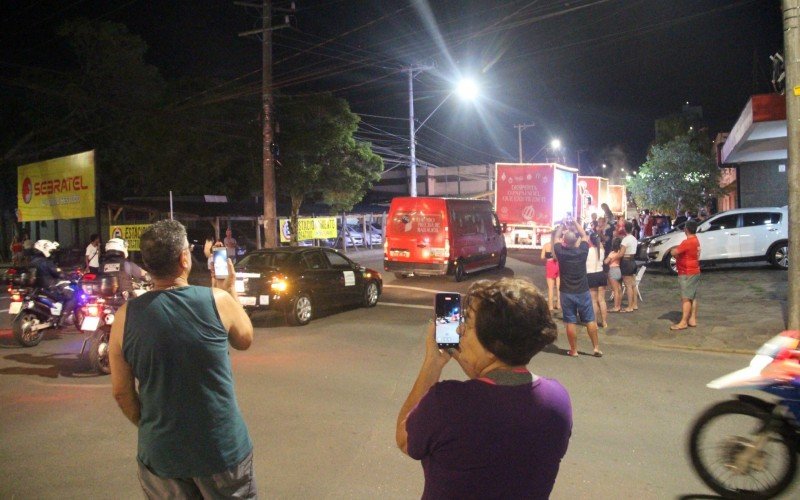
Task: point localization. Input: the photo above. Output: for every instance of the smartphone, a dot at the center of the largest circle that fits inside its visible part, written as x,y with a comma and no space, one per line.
447,318
220,263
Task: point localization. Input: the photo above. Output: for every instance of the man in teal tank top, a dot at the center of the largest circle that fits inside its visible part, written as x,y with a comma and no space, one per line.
174,341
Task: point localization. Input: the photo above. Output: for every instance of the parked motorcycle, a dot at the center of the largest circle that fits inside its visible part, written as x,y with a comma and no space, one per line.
38,311
98,315
747,447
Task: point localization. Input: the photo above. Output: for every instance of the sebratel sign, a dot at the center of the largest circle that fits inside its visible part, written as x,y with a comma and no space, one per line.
60,188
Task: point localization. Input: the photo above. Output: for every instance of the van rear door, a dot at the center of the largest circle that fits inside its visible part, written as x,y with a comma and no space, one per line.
416,230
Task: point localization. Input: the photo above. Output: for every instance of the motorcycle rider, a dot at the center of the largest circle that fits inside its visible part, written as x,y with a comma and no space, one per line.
115,263
48,275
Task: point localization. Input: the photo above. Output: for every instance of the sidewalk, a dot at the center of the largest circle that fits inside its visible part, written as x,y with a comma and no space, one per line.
740,307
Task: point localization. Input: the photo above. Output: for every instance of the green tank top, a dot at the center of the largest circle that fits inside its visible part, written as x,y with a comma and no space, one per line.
190,422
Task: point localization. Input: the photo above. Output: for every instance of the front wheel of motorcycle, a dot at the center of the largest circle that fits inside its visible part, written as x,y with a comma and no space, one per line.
740,451
23,325
98,352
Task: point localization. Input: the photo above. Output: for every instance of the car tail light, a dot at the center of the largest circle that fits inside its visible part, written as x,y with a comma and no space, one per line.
279,285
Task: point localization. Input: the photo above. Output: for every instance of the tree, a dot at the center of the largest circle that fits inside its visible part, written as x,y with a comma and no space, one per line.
318,155
675,173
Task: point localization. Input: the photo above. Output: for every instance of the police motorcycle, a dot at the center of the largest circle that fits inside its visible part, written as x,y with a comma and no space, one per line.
119,281
19,281
42,308
747,447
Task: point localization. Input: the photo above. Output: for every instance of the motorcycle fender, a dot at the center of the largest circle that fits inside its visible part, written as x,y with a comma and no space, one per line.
38,309
756,402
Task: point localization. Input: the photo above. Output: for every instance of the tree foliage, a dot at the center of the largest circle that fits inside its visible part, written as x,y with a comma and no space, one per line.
676,174
319,156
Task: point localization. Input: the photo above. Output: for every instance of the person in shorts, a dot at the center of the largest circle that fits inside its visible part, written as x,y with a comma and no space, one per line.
597,279
576,300
687,257
551,272
628,268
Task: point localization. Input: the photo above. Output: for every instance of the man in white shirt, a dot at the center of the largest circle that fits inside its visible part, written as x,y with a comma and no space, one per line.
93,254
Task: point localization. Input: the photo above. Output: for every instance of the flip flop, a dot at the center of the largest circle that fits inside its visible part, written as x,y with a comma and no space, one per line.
598,354
614,310
676,327
627,310
692,326
572,355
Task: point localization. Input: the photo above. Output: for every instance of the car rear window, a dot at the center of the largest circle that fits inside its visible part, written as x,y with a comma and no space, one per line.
271,259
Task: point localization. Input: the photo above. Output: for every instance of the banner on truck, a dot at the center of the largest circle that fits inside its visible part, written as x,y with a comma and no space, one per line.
129,233
524,193
592,192
309,229
56,189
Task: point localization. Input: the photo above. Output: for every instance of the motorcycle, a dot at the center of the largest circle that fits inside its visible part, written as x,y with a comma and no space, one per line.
98,315
39,311
20,282
748,447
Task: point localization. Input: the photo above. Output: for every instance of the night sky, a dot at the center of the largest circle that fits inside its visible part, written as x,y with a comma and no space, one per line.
595,73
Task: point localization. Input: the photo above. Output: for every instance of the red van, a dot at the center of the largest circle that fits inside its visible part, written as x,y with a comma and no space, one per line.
436,236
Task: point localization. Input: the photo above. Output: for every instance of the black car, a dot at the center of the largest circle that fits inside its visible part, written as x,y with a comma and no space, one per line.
298,281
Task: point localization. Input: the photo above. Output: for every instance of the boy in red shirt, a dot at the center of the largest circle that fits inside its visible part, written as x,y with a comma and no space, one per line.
687,256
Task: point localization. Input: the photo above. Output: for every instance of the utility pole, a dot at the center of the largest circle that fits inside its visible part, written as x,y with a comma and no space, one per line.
791,47
268,162
412,127
520,128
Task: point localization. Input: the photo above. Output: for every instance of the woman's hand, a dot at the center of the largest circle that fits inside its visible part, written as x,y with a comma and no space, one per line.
433,355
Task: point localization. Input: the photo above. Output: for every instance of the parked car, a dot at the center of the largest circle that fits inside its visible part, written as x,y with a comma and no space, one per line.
300,281
644,243
740,235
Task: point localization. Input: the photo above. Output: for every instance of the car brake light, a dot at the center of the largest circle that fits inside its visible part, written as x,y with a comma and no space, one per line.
279,285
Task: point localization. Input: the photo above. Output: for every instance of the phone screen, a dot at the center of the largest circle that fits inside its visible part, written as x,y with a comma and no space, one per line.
221,263
447,310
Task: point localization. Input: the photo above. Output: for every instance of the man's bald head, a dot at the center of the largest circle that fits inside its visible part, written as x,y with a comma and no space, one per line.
570,239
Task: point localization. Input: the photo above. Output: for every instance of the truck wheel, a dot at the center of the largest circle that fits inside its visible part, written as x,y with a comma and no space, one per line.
779,255
459,273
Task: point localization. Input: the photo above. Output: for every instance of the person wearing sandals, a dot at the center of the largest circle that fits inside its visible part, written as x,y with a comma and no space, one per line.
576,301
551,272
614,273
628,268
687,259
503,432
597,278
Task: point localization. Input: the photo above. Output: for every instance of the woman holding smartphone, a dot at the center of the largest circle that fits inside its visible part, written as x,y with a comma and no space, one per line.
525,421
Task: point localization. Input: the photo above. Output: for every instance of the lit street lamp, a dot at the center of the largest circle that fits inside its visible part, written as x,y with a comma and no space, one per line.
467,89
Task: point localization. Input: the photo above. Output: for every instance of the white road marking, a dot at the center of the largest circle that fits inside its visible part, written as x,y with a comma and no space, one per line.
414,288
415,306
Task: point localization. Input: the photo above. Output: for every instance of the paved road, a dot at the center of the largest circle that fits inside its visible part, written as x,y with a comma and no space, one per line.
321,403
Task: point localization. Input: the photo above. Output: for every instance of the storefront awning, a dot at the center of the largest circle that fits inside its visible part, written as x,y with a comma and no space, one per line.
760,132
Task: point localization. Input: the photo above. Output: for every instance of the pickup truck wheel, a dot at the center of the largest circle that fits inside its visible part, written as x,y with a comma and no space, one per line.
670,264
460,274
779,255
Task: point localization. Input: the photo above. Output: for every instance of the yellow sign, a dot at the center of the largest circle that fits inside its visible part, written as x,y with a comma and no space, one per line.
309,228
61,188
129,233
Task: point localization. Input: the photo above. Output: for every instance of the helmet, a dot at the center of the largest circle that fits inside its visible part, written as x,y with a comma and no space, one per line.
46,247
117,245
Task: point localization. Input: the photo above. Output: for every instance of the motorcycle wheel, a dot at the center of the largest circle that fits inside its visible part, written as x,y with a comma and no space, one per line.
21,326
719,441
98,352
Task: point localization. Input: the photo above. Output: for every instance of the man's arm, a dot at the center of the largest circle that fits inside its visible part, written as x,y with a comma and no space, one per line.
581,232
123,383
429,374
233,316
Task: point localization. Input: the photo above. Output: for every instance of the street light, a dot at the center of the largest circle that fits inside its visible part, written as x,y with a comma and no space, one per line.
466,88
555,145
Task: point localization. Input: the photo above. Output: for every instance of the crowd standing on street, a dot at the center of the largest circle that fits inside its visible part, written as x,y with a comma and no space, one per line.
503,432
171,376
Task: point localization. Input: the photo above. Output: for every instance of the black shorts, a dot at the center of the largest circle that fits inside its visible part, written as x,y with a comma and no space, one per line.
597,280
627,267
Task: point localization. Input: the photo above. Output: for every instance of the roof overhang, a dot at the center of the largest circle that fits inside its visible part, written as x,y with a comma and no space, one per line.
760,132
